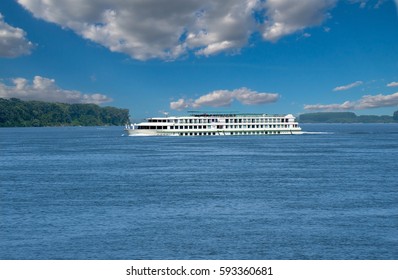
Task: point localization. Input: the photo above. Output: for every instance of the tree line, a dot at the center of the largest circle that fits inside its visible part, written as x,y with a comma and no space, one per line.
17,113
346,117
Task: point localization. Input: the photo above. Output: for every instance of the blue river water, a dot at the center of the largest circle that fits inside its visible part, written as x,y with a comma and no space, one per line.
91,193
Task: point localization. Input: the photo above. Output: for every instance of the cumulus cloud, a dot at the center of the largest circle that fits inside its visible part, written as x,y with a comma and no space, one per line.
13,42
44,89
224,98
146,29
285,17
330,107
349,86
377,101
393,84
366,102
180,104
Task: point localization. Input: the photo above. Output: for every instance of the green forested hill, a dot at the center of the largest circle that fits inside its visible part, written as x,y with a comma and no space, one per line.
15,112
345,117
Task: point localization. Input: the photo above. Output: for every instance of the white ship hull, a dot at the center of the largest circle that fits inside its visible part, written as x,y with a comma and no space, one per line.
216,125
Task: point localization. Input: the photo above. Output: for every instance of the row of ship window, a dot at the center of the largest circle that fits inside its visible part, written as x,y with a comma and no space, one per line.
229,133
218,126
264,120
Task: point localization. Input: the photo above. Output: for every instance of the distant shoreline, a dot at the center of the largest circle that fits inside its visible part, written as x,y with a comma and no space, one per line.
346,117
17,113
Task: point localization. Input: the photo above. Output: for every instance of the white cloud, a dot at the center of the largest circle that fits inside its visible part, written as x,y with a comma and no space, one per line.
330,107
349,86
393,84
13,42
180,104
377,101
285,17
44,89
146,29
218,98
366,102
224,98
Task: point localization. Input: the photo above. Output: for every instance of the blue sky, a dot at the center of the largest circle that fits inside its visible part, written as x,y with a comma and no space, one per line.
154,56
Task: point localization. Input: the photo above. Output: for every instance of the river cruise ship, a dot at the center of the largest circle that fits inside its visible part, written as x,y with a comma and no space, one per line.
209,124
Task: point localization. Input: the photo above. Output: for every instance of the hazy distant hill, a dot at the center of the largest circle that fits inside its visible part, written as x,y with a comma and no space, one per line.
15,112
345,117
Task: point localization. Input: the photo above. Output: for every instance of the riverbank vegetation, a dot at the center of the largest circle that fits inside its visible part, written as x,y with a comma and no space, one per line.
17,113
346,117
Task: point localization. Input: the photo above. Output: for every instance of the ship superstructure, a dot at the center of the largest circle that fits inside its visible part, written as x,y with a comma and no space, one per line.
211,124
